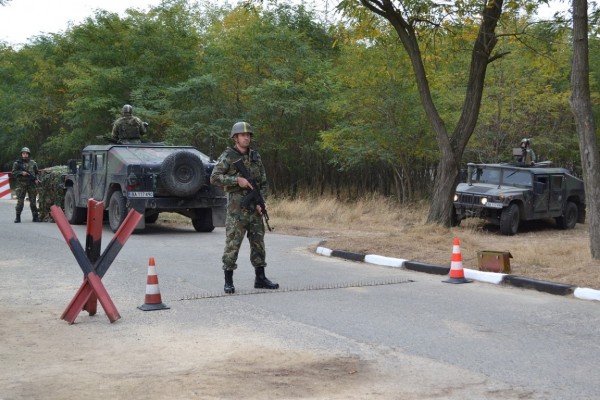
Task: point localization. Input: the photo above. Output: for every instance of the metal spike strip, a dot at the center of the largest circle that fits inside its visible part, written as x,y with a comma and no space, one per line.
212,295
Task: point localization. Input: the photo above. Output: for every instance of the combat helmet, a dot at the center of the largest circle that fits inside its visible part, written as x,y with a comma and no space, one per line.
127,109
25,150
241,127
525,140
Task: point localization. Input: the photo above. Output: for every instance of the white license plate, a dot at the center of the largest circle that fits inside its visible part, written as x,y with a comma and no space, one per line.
494,205
140,194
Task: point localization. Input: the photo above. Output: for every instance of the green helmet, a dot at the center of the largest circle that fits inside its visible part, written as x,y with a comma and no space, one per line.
127,109
241,127
25,150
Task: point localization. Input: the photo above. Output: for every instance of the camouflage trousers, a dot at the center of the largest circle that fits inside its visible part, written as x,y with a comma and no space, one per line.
26,188
238,224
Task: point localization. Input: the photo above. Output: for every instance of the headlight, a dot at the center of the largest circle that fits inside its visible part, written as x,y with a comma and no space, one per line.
484,200
455,197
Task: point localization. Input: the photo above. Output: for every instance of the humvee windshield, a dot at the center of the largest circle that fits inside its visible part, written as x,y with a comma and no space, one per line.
509,177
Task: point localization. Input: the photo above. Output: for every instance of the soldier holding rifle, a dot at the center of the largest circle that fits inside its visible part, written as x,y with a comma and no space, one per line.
245,205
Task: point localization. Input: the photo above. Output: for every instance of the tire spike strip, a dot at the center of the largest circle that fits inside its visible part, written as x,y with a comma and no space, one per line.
212,295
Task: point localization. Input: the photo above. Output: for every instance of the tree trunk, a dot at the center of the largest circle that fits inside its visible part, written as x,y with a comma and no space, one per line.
451,148
581,106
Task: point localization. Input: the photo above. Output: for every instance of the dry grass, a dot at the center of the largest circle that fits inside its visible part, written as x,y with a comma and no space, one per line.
379,226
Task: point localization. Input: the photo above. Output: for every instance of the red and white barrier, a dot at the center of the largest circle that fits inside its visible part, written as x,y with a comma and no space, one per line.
5,186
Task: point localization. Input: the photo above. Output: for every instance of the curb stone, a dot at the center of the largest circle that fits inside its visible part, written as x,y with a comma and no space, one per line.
481,276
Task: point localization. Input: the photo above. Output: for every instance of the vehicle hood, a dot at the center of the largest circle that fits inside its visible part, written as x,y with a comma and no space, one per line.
488,189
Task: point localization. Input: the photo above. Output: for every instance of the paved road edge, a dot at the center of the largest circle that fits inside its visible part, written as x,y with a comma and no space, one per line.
481,276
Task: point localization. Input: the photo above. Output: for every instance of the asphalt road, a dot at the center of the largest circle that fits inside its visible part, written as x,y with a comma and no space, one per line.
435,340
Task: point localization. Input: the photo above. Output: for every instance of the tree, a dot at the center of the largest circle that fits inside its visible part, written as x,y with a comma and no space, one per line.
581,105
406,17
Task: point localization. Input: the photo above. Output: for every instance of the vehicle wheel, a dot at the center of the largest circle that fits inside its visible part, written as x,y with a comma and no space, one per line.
454,220
203,221
152,218
182,173
117,210
75,215
509,220
569,219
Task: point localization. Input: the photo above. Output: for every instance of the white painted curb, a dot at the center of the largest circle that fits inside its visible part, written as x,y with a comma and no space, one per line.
587,294
385,261
324,251
483,276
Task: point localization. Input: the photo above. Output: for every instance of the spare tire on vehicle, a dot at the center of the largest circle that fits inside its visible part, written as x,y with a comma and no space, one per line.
182,173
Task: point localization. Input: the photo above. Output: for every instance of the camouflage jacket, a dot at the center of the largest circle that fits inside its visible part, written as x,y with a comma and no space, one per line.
22,165
225,174
128,127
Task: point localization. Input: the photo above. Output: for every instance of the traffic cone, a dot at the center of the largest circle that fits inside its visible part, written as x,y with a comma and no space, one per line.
153,300
457,274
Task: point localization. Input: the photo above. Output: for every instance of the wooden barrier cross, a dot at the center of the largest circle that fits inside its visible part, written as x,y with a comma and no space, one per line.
92,287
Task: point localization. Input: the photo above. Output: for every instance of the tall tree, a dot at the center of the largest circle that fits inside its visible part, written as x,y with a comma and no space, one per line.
406,17
581,105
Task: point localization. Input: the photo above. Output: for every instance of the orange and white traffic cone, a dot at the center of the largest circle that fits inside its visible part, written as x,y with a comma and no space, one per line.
457,274
153,300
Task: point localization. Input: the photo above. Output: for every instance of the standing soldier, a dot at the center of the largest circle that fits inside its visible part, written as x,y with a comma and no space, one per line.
26,175
241,220
128,129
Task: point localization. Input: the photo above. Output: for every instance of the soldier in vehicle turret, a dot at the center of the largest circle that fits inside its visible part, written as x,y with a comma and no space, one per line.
527,153
128,128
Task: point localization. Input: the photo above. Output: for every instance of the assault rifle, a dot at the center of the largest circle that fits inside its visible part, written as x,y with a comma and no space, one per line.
254,197
33,178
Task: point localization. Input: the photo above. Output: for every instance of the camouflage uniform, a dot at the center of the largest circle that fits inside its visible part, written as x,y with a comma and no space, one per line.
51,191
239,221
128,129
25,185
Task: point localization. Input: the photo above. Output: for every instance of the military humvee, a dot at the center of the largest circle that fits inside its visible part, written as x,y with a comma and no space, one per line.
506,194
150,178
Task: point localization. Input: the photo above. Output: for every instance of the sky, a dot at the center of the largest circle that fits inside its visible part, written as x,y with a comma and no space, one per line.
21,20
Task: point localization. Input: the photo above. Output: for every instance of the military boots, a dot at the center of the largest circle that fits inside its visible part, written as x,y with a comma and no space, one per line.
18,219
35,217
261,281
229,288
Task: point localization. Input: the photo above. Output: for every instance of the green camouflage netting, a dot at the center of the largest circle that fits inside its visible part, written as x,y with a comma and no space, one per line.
51,191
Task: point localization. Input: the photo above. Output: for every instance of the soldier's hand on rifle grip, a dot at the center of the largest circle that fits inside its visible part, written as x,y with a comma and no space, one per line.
243,183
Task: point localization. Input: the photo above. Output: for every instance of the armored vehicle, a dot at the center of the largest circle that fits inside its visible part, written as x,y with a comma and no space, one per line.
150,178
506,194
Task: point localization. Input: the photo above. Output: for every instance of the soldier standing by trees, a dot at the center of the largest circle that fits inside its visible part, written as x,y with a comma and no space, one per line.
241,220
26,174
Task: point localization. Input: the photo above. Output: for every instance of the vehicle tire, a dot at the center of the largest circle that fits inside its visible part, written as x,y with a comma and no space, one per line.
454,220
509,220
182,173
152,218
569,218
203,221
75,215
117,210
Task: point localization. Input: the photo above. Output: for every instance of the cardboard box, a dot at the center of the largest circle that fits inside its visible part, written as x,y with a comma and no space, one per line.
494,261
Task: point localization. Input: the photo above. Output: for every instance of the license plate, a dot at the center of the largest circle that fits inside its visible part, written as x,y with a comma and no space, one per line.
494,205
140,194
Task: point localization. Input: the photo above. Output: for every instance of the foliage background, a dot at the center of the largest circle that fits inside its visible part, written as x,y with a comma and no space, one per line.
333,103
